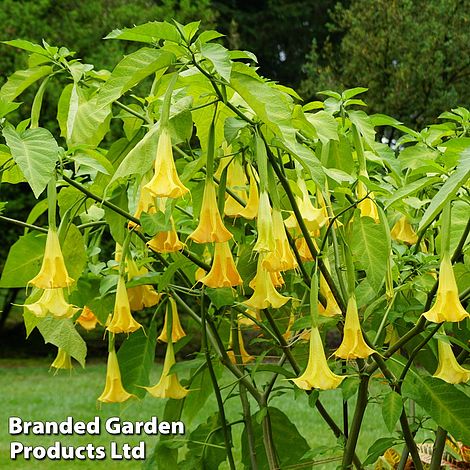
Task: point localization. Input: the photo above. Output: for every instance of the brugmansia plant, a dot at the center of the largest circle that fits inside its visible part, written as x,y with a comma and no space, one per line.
185,186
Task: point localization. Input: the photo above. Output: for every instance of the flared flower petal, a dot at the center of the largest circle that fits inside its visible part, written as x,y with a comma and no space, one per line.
235,180
211,227
402,231
265,294
177,331
448,369
166,242
223,272
122,320
281,258
447,306
53,273
353,345
317,374
114,391
165,182
52,302
87,319
168,386
62,360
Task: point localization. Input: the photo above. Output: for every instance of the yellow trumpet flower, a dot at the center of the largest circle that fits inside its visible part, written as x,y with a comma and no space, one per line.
122,320
210,228
235,179
245,321
62,360
140,296
367,207
448,369
317,374
52,302
165,182
250,211
447,306
264,225
207,258
244,355
166,242
265,294
168,386
403,231
303,249
53,273
114,391
177,331
281,258
87,319
332,308
146,204
223,272
353,345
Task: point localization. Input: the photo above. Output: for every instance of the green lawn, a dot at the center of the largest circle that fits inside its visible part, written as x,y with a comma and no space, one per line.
30,391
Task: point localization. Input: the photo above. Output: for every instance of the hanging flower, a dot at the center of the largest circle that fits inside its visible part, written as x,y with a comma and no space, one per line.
265,240
245,357
53,273
210,228
332,308
146,203
62,360
367,206
448,369
168,386
288,333
281,258
165,182
353,345
265,295
317,374
207,258
122,320
403,231
166,242
140,296
87,319
235,179
52,302
113,391
303,249
447,306
177,331
223,272
250,211
246,321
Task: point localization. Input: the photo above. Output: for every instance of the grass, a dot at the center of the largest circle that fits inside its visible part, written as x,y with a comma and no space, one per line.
31,392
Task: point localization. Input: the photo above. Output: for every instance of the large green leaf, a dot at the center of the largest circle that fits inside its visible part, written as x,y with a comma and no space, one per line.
364,126
36,152
73,249
219,57
24,260
136,356
149,33
325,125
62,333
411,188
370,249
447,191
22,79
392,407
130,71
446,405
289,444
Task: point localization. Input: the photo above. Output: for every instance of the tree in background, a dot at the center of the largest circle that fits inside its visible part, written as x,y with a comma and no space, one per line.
412,55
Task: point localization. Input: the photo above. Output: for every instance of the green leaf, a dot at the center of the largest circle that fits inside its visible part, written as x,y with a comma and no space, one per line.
36,152
131,70
378,448
446,405
62,333
22,79
348,94
325,125
136,356
154,223
218,56
149,33
27,46
411,188
370,249
290,445
7,107
446,193
392,407
24,260
73,249
140,159
221,296
364,126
